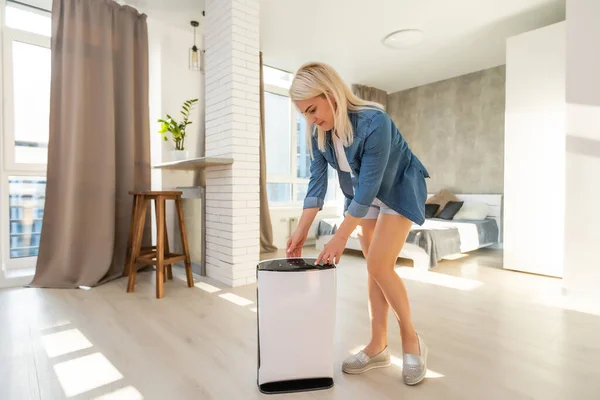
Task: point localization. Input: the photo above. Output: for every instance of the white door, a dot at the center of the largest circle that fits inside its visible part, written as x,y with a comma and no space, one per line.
534,168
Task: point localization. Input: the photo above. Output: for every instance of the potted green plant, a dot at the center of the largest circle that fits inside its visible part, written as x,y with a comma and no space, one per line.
178,130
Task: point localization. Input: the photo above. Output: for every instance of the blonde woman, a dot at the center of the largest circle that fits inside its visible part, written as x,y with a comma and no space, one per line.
385,189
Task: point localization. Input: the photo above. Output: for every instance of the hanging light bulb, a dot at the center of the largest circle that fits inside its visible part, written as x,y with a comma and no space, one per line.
194,58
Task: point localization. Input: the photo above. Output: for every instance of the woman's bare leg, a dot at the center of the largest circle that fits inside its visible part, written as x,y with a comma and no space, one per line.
388,239
378,305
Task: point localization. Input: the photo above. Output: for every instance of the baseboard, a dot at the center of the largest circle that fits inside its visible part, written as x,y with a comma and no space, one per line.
20,281
196,268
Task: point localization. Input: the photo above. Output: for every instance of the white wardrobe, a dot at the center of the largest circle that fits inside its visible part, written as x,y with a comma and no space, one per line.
534,148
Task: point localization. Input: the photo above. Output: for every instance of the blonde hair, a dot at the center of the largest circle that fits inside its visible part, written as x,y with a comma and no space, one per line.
318,79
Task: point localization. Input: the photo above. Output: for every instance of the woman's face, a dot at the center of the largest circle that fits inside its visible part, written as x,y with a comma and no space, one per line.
317,111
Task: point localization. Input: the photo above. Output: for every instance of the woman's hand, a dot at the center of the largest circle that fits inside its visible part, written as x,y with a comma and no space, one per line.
295,242
332,252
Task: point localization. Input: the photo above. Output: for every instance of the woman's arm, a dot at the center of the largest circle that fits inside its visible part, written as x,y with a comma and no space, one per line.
313,202
347,227
373,163
317,184
306,219
296,241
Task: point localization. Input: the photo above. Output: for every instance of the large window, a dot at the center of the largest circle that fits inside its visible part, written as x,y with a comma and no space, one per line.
26,66
287,151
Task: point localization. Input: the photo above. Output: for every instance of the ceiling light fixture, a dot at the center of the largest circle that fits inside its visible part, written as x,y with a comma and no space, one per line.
403,38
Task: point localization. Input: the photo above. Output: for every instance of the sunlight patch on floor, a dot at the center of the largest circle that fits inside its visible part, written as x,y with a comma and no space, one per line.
126,393
199,284
206,287
235,299
438,279
86,373
65,342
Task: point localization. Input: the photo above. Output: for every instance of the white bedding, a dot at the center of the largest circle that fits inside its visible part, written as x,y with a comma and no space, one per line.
469,234
468,231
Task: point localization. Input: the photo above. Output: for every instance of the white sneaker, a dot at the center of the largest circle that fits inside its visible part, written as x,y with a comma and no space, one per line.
414,367
360,362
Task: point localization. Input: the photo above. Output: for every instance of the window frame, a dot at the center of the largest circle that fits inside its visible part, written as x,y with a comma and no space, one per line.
293,178
9,167
10,35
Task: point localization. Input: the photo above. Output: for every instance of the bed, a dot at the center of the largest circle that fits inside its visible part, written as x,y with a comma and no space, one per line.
437,238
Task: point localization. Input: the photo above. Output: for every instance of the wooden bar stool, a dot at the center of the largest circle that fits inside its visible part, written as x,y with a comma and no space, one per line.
158,255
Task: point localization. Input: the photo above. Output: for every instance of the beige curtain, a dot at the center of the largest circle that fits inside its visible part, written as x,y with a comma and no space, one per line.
99,146
370,94
266,228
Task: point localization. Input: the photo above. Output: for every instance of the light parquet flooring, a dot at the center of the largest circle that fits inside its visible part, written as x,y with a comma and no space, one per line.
492,334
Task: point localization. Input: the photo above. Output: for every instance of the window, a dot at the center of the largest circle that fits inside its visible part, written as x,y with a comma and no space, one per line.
287,151
277,78
277,132
31,97
26,86
26,67
26,210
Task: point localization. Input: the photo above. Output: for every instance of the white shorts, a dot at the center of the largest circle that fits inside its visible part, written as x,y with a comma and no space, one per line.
378,207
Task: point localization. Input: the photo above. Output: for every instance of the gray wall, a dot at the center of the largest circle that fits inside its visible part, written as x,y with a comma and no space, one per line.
456,128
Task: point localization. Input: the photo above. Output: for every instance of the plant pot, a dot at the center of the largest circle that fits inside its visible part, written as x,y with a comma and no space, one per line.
179,155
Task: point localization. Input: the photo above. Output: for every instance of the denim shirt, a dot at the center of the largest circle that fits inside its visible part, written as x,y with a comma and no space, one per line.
379,158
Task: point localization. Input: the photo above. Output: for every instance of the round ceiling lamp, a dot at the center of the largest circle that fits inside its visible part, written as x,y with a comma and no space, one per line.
404,38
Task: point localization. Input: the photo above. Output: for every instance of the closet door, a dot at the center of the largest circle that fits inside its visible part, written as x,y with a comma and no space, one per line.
534,169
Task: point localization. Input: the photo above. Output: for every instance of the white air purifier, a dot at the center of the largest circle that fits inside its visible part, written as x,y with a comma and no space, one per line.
296,312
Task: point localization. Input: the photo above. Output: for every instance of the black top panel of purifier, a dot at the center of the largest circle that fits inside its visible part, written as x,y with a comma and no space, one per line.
292,265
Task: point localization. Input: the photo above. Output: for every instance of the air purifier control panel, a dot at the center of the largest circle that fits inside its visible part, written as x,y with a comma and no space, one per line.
293,265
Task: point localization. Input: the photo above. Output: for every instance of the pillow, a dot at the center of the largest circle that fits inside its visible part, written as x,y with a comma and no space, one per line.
450,209
441,198
473,211
430,210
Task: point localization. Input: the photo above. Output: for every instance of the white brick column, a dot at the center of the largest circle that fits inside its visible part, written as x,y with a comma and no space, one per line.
232,130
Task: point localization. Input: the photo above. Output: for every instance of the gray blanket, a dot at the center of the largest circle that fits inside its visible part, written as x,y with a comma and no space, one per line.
438,243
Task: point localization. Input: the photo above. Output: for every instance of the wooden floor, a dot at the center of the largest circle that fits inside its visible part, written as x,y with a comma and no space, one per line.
492,334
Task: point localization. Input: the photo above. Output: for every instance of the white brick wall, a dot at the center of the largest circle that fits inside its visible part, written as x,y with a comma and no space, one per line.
232,130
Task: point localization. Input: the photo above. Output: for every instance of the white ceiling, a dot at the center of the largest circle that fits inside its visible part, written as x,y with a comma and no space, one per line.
176,13
461,36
